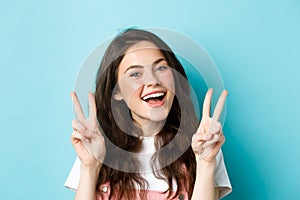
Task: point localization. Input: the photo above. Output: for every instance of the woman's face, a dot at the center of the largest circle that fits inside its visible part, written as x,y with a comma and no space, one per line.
146,83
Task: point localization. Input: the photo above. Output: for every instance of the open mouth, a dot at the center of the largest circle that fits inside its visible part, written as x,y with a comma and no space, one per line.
156,98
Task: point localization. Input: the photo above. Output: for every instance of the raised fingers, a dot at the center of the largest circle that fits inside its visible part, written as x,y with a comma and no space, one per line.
206,103
219,106
92,107
215,127
77,107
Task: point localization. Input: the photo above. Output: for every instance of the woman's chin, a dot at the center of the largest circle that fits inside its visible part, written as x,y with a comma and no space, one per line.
158,116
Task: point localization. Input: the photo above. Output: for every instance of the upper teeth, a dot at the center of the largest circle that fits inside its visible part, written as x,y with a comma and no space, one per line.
158,94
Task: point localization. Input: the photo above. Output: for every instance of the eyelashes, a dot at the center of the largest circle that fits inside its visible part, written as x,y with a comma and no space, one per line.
161,68
138,73
135,74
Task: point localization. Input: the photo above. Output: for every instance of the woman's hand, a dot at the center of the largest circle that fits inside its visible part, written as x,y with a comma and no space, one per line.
86,137
209,137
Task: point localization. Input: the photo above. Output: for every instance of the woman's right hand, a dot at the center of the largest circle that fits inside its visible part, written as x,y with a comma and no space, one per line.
86,138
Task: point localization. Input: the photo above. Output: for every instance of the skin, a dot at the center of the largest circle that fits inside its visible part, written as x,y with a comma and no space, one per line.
144,70
206,143
89,143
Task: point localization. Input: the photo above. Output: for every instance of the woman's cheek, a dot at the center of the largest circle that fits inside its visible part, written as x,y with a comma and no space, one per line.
168,82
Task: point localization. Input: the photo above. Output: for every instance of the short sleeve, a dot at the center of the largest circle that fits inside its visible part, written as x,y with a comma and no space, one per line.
74,175
221,177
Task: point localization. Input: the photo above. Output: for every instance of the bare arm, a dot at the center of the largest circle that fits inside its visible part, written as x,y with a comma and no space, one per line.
87,182
89,145
206,143
204,184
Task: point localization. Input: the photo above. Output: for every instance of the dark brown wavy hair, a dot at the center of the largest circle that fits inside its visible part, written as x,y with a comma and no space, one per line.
121,168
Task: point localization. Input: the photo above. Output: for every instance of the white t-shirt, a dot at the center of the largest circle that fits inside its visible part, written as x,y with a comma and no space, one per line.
221,177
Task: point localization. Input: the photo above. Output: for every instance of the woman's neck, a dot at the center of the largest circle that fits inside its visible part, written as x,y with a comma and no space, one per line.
151,129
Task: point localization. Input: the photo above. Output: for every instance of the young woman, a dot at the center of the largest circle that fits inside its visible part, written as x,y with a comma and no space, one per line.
142,139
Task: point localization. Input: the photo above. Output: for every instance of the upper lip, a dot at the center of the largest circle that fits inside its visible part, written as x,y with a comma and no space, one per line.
144,97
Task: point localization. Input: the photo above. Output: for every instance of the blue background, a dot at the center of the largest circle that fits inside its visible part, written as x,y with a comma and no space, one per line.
255,45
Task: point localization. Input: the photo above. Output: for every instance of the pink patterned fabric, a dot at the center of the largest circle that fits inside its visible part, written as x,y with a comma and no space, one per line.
104,191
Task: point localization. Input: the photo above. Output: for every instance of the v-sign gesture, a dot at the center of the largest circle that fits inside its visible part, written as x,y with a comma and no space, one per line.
86,137
209,137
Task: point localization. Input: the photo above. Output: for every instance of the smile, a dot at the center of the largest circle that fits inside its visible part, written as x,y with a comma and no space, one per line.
155,99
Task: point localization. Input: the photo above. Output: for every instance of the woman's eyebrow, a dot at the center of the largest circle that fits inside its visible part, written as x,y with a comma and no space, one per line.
133,67
158,61
140,66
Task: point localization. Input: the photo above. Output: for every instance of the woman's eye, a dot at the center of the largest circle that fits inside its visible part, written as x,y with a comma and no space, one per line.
135,74
161,68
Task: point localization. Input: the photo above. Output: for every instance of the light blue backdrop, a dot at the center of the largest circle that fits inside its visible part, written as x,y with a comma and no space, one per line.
255,45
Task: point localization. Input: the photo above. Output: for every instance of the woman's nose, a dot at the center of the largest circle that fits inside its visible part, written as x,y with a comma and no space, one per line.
151,79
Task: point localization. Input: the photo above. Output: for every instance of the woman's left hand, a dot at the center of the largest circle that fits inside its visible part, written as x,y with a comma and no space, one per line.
209,137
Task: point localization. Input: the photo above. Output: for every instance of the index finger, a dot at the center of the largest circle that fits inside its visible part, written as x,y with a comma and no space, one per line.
219,106
77,107
206,103
92,107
